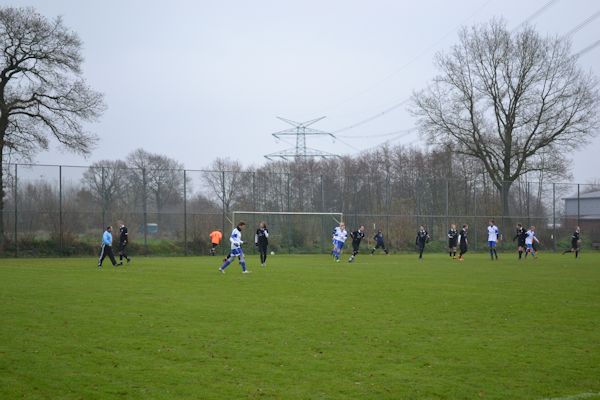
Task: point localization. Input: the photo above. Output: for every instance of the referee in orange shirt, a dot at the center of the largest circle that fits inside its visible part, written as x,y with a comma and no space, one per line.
215,239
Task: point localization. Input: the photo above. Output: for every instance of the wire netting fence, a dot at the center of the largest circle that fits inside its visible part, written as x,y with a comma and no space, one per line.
62,210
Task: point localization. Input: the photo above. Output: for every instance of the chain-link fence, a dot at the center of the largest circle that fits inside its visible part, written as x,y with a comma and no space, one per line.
62,210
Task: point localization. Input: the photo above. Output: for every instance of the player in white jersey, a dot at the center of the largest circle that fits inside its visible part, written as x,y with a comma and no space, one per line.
529,239
493,236
236,249
339,238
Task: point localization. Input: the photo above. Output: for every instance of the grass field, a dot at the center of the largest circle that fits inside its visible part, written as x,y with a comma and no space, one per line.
302,328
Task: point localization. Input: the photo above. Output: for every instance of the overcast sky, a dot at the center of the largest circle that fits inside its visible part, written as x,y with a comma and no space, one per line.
198,79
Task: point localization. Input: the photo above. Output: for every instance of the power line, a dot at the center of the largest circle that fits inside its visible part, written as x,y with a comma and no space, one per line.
582,25
531,17
378,135
535,14
410,61
587,49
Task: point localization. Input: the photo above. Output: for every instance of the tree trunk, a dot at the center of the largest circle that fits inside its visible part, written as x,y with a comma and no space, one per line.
505,193
1,201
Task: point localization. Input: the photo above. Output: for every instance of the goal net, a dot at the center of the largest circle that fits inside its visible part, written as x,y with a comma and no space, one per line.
290,232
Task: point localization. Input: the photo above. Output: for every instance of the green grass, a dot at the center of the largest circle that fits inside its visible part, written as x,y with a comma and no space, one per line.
303,328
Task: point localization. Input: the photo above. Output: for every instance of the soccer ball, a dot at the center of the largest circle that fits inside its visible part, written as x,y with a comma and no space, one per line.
272,253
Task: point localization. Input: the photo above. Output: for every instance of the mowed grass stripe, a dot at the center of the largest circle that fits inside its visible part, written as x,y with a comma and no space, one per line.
304,327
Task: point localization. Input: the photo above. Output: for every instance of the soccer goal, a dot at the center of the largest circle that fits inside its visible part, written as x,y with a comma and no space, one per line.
291,232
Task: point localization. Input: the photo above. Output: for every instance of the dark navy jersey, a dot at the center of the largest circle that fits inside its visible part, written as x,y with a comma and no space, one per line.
521,234
463,237
452,234
357,236
123,235
422,236
378,238
575,236
262,237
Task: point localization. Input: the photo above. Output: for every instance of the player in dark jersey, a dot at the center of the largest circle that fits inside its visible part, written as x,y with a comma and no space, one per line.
520,236
463,242
422,238
261,241
575,243
356,236
452,241
379,243
123,241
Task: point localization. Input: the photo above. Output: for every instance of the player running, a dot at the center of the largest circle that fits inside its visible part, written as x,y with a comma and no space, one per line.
463,242
575,243
339,238
379,243
493,236
215,239
529,241
356,236
452,241
422,238
520,236
236,249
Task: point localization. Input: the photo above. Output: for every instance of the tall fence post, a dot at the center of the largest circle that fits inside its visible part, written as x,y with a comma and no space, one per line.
145,209
16,195
103,197
447,203
388,202
554,216
578,205
60,209
289,232
185,242
223,205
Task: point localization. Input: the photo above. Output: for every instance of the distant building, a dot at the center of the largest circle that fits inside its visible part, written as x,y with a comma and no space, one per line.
584,211
587,206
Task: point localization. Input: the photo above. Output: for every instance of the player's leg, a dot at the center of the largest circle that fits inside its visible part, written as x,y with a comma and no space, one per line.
111,255
242,261
101,255
232,254
354,253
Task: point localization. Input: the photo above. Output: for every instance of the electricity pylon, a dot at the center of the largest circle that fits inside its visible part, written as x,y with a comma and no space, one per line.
300,130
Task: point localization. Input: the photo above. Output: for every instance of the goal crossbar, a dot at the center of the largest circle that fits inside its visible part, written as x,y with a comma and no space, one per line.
331,214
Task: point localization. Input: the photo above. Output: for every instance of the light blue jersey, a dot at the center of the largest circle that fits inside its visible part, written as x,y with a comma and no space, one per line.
107,238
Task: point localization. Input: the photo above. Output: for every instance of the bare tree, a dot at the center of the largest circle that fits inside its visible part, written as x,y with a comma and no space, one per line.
223,177
42,92
155,177
507,99
105,180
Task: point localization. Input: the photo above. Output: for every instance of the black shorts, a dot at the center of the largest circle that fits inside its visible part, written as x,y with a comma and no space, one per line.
355,247
574,244
452,242
521,242
214,245
463,247
380,245
122,246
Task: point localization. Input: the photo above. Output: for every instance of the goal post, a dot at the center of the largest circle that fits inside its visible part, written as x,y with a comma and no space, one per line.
291,232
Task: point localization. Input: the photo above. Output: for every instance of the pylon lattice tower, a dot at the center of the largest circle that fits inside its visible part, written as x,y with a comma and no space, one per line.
300,130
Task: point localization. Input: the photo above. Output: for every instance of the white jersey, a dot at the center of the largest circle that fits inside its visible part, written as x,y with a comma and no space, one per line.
492,233
236,238
530,237
340,234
